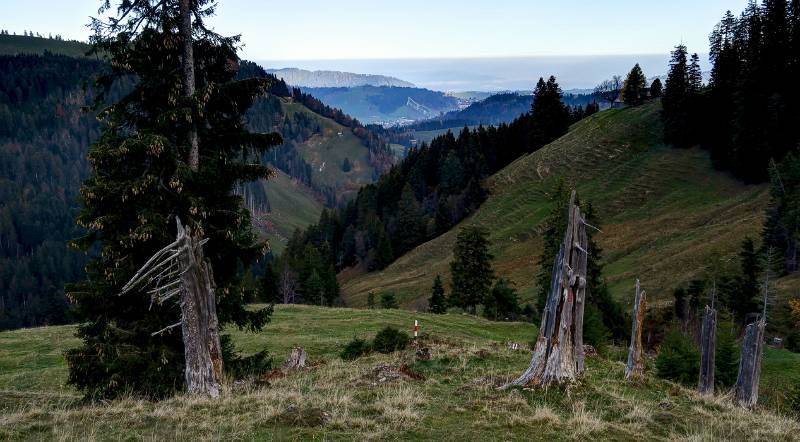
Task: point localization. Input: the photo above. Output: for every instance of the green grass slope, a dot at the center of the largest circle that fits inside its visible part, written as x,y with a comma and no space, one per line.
326,152
20,44
385,397
666,214
292,206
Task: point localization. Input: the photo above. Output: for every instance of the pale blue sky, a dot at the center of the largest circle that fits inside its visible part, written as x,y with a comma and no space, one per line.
358,29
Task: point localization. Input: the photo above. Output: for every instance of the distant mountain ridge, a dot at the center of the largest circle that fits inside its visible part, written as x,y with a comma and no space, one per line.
303,78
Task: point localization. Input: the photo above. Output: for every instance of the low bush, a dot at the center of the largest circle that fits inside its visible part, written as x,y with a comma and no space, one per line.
354,349
389,340
793,341
389,300
678,359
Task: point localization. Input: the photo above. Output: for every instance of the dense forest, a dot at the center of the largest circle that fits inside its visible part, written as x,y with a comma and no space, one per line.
748,112
44,137
433,188
43,141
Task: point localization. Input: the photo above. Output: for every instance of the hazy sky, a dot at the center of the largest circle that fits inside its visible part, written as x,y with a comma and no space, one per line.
353,29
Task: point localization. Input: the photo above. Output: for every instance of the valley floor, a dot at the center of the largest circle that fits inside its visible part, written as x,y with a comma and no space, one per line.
386,397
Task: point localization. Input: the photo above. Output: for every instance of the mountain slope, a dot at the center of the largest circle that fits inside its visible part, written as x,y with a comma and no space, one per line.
292,205
386,105
303,78
665,213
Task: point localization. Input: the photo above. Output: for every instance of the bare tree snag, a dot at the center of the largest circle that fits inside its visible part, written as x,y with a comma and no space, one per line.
708,345
746,388
558,354
188,83
635,366
297,359
199,320
181,269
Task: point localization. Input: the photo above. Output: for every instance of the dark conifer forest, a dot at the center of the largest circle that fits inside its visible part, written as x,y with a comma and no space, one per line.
45,131
43,141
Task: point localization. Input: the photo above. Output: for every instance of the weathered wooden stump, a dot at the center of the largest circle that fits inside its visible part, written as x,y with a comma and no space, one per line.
181,269
635,365
558,354
708,345
204,368
296,360
746,388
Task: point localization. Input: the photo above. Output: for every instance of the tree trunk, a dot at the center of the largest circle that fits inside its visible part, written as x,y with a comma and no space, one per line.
199,322
188,77
558,354
708,345
635,366
746,388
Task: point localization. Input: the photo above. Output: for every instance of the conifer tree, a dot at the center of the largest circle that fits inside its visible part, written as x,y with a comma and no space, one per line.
782,227
656,88
437,302
142,178
549,116
410,227
313,290
552,236
471,269
744,297
501,301
634,86
676,100
727,353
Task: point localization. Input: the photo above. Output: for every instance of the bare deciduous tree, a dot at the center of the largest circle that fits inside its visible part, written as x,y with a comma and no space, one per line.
609,90
287,285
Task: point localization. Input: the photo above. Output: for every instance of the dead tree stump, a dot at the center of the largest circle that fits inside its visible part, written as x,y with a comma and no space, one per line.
635,365
181,269
746,388
296,360
708,345
558,354
199,319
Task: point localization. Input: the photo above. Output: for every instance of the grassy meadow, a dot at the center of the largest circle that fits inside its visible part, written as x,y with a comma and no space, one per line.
386,397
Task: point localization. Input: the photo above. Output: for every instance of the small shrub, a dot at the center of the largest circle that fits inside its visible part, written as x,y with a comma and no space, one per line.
389,340
595,333
678,359
726,366
238,366
793,341
793,400
388,300
354,349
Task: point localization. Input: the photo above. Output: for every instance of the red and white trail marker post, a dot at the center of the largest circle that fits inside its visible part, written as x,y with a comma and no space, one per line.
416,329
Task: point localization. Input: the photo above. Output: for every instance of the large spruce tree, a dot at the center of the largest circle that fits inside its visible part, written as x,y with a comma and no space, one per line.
144,175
